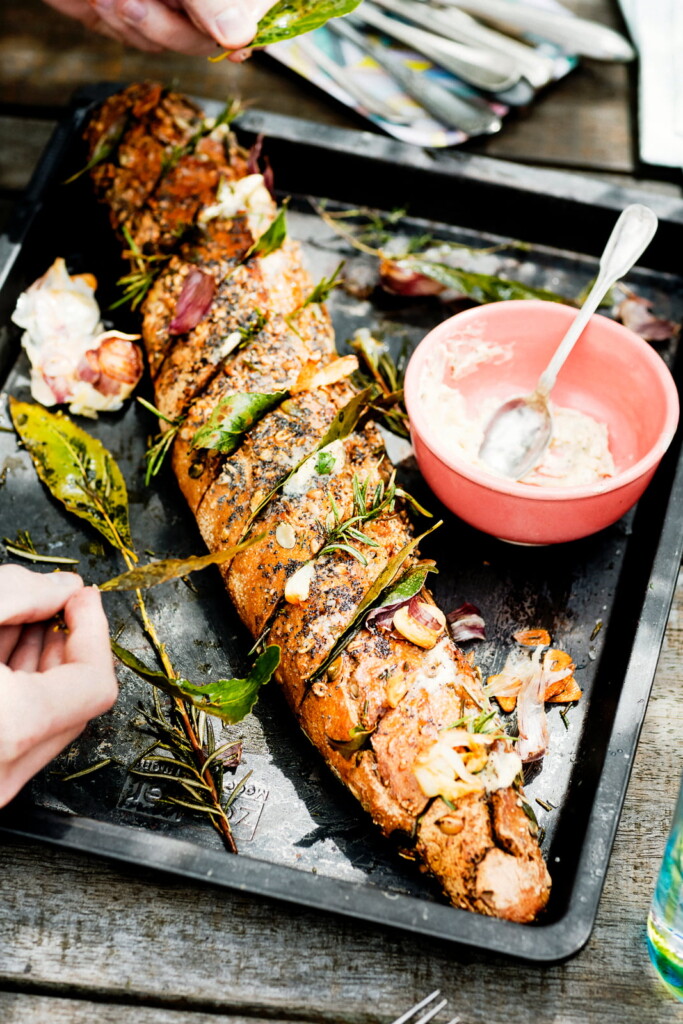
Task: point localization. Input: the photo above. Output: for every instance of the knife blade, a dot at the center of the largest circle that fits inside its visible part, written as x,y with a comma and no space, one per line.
477,67
447,109
575,35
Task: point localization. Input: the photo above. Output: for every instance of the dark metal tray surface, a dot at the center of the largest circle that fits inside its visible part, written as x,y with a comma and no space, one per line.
302,837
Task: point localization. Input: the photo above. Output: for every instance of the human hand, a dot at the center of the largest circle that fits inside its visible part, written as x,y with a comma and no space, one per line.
193,27
52,682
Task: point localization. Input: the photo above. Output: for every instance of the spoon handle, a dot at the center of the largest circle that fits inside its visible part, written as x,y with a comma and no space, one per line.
630,237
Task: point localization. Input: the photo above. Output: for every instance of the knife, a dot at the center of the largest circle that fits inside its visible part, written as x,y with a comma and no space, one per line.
480,68
346,81
461,28
447,109
575,35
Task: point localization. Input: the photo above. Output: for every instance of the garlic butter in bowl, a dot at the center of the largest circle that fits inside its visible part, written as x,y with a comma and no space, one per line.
615,411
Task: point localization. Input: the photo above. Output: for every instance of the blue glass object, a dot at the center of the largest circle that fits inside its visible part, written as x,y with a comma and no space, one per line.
665,920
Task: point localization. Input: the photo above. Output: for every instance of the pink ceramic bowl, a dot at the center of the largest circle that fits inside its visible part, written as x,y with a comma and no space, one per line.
612,374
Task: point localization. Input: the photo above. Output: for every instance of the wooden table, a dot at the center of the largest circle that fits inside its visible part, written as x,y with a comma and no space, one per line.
83,940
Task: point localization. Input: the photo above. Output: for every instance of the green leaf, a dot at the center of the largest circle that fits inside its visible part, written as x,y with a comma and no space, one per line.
374,594
322,290
325,463
229,699
77,470
232,418
257,321
409,584
340,427
290,18
479,287
151,575
272,238
104,147
357,738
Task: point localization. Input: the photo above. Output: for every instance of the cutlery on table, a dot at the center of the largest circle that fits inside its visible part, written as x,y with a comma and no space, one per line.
411,1014
575,35
340,75
455,24
447,109
480,68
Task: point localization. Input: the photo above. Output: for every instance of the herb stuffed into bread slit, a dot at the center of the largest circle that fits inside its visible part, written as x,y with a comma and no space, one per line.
368,667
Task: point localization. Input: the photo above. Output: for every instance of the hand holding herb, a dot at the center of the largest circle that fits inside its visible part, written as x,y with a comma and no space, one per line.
53,680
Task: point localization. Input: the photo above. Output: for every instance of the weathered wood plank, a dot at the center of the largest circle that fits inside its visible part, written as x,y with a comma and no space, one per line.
74,924
583,121
19,1008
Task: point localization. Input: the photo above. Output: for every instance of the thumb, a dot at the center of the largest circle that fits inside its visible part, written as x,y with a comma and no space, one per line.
232,23
27,596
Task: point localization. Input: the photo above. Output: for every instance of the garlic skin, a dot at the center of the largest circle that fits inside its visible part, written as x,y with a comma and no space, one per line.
73,360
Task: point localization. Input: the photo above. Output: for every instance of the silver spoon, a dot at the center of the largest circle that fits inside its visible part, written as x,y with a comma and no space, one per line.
519,431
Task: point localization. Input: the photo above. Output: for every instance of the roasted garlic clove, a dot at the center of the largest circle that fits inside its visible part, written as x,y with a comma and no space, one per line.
420,623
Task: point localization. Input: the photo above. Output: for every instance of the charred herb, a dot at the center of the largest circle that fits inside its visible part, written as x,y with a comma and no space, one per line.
161,443
345,534
23,547
382,585
105,146
138,282
231,110
378,367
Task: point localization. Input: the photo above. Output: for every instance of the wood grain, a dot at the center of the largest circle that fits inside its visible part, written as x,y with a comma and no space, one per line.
18,1008
583,121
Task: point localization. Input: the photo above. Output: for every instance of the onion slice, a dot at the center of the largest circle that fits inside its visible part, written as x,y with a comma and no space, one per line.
194,301
466,623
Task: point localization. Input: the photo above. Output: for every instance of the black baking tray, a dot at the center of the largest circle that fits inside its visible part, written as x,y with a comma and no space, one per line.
302,838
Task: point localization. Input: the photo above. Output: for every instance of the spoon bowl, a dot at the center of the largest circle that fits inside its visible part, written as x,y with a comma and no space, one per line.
520,430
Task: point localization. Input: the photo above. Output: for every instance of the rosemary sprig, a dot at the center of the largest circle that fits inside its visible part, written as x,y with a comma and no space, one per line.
138,282
232,109
23,547
196,775
160,443
345,534
377,366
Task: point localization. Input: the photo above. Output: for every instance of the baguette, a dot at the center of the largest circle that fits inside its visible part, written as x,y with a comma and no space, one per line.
394,718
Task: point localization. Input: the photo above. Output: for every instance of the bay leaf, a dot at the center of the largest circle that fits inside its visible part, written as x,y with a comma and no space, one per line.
151,575
382,584
228,699
272,238
233,417
340,427
290,18
357,739
77,470
479,287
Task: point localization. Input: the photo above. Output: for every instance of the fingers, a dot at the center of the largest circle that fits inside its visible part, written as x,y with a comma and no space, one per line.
54,647
27,596
36,706
26,655
232,23
158,25
9,636
87,641
16,773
